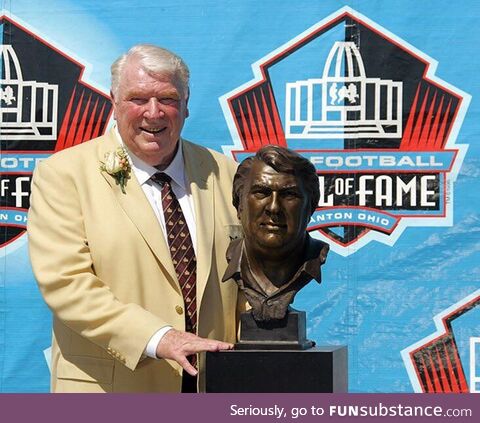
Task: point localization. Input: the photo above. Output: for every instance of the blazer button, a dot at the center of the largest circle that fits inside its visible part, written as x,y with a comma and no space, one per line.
179,309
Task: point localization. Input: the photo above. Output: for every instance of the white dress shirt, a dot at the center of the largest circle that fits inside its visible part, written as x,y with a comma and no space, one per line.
181,188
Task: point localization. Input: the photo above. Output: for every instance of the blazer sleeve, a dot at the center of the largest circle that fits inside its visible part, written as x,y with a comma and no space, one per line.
63,267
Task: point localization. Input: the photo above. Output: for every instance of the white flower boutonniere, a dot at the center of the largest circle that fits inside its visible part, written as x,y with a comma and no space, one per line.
116,164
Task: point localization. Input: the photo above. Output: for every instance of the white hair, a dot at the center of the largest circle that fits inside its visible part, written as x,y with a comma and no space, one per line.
154,60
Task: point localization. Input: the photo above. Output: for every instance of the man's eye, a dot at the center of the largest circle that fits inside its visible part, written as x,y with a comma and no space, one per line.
168,101
260,193
138,100
291,194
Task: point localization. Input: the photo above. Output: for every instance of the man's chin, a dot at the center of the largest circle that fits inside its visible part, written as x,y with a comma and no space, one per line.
272,241
151,141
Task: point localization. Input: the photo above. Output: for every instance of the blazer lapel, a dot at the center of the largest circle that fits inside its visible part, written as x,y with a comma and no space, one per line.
202,185
138,209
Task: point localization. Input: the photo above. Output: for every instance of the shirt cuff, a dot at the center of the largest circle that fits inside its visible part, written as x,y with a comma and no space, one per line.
151,349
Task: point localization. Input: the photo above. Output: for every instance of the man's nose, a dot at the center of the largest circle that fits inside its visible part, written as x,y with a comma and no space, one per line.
153,109
273,205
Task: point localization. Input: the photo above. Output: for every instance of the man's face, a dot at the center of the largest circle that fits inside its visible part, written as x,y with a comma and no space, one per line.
150,111
274,211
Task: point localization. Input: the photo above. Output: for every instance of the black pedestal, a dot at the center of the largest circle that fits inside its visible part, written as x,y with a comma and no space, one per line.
286,334
318,369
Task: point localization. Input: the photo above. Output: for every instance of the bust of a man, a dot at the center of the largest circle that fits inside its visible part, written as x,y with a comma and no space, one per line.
275,193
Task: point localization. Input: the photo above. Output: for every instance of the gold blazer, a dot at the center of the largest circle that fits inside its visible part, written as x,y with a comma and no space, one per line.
104,268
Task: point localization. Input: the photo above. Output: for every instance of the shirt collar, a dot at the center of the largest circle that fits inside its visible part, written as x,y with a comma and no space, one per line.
316,253
143,171
234,258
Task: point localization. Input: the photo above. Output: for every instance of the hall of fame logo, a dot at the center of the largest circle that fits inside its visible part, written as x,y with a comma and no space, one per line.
448,361
367,110
44,107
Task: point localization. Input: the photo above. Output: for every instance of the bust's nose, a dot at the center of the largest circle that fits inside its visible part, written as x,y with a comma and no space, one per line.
273,206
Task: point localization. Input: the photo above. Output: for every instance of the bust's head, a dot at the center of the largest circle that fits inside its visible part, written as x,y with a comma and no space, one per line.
275,193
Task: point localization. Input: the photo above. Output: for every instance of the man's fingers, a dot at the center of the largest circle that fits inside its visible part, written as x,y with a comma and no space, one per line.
203,345
213,346
225,346
179,345
182,360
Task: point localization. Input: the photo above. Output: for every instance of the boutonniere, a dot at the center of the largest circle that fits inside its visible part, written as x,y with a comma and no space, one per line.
117,165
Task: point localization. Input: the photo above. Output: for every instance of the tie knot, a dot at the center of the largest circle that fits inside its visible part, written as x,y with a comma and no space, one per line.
161,178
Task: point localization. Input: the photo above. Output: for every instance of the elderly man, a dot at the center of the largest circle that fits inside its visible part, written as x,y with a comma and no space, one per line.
275,193
128,234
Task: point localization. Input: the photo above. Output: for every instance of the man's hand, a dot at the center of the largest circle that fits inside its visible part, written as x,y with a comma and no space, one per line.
177,345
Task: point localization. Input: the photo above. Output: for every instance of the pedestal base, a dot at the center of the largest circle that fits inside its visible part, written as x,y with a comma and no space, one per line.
286,334
319,369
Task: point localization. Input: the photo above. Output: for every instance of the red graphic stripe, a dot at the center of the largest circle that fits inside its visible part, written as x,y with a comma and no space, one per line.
461,376
407,134
425,135
272,137
415,141
436,381
451,373
443,376
70,141
84,125
247,140
79,136
436,123
440,141
96,131
425,372
64,128
276,120
427,129
89,130
251,121
262,131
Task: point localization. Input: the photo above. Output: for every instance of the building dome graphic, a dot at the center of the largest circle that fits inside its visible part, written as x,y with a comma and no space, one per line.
28,109
344,60
344,102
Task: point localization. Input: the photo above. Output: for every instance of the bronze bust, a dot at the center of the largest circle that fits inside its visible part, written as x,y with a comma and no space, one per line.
275,193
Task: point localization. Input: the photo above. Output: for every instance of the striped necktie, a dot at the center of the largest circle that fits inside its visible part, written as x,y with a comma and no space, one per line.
181,248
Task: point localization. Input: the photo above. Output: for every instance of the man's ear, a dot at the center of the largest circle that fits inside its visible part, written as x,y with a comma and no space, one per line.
239,211
187,112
